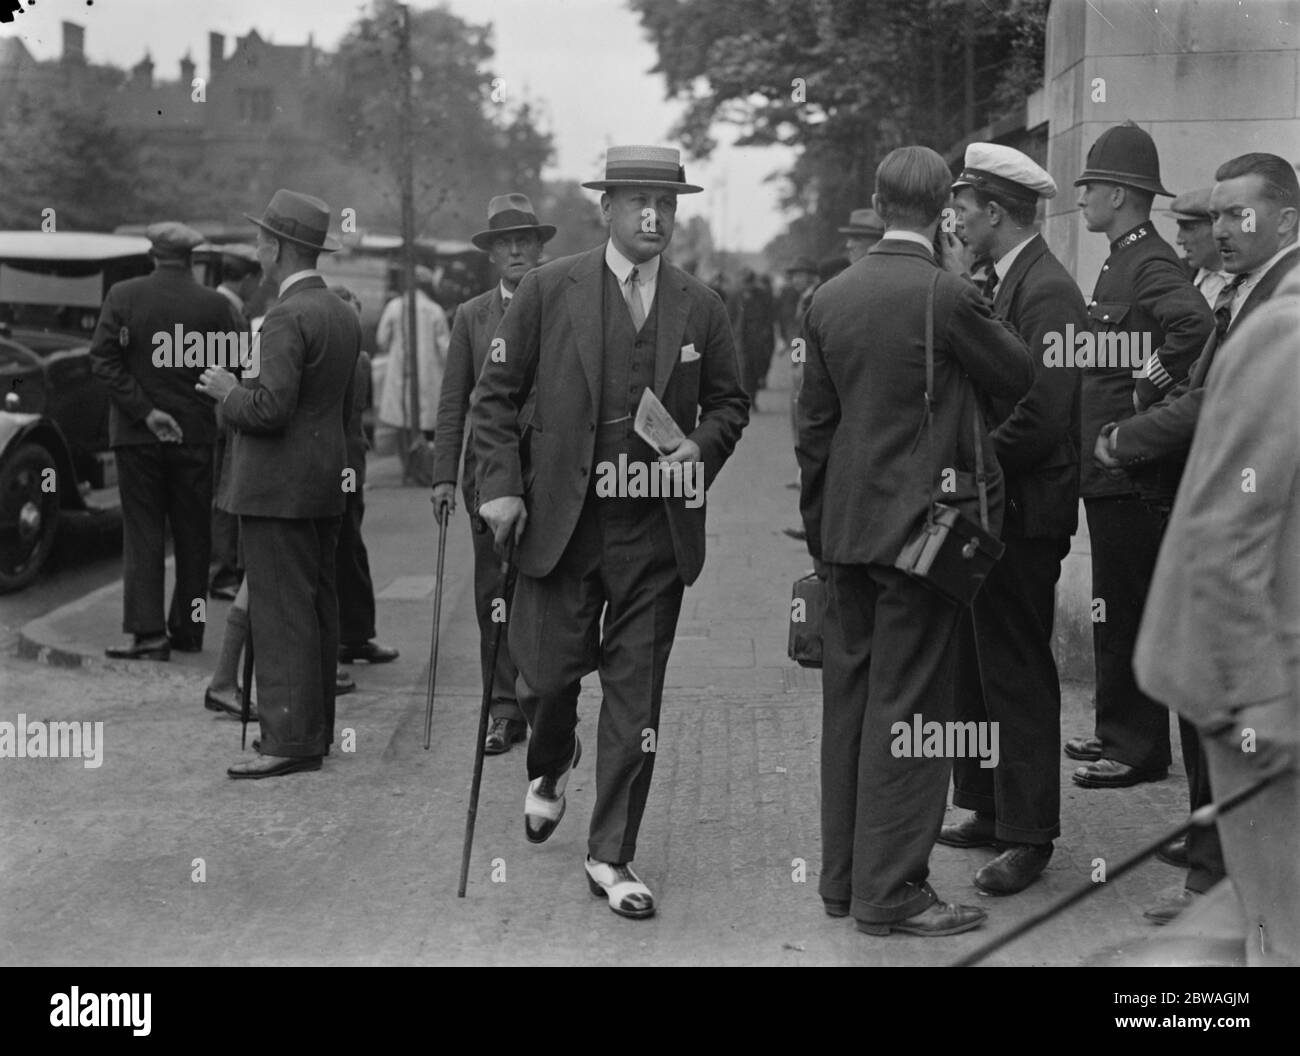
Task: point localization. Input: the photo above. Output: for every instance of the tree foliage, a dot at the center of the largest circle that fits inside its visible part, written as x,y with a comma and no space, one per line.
843,82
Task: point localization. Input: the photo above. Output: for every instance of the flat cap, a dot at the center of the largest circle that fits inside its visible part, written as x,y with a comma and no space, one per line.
172,239
240,251
1191,205
998,169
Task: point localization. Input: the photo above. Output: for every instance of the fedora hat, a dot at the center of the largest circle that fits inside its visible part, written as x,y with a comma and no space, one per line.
507,213
1127,155
864,222
641,166
298,218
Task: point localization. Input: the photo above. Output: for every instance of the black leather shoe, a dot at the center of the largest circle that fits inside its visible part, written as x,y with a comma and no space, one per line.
977,830
274,766
1014,869
181,645
544,802
937,919
142,647
1108,773
1087,749
343,684
214,703
370,652
1171,908
502,734
1175,853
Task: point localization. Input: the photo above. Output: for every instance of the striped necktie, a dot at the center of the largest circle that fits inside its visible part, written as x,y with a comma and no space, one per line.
1223,306
632,294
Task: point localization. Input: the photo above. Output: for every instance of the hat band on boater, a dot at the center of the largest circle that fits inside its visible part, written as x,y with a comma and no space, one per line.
644,172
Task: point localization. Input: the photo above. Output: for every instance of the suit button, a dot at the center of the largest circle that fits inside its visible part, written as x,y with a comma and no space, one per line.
1105,267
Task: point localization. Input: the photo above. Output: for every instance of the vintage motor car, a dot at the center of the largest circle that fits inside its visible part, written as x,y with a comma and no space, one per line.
54,425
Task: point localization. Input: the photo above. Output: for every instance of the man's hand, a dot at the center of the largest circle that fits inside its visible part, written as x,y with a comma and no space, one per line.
687,451
164,426
1103,452
952,253
217,382
504,516
444,500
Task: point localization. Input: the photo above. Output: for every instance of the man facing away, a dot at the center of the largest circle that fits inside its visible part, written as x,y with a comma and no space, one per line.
288,458
592,333
162,433
513,240
869,474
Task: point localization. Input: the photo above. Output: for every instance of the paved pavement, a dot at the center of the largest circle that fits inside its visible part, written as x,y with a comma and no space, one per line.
357,864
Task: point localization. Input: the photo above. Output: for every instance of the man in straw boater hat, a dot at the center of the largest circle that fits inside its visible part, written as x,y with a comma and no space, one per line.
1142,298
593,333
513,239
288,452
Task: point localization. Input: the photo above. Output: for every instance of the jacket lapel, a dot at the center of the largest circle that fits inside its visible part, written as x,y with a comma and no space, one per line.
674,306
1019,269
583,299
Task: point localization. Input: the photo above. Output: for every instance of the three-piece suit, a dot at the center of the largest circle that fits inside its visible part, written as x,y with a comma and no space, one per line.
601,578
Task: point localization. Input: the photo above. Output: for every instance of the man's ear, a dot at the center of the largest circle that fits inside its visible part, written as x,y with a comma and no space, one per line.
606,204
878,204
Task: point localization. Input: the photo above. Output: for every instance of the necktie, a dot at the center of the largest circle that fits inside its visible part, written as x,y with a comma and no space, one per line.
1223,306
633,296
990,283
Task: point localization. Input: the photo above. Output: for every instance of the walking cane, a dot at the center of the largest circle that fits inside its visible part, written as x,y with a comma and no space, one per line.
484,707
441,514
1202,816
248,683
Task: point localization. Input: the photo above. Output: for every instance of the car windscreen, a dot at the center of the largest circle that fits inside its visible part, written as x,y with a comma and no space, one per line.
63,295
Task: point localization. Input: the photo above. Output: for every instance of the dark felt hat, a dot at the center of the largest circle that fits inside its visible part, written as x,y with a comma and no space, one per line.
508,213
298,218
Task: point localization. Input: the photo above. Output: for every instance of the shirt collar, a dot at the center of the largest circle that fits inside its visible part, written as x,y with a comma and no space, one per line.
1003,264
647,270
298,276
505,294
908,236
1258,273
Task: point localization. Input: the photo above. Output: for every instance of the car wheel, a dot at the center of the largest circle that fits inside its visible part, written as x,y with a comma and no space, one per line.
29,514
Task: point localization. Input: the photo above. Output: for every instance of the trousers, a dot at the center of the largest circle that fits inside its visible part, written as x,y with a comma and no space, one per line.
610,605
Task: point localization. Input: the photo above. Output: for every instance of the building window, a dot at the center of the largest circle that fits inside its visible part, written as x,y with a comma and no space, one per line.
255,105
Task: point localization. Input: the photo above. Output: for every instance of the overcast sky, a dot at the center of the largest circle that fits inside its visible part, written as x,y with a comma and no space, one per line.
585,61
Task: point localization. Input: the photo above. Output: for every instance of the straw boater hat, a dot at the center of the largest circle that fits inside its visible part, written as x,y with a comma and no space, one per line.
298,218
508,213
639,166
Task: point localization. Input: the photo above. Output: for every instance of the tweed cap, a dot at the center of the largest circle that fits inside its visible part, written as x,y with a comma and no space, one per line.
171,239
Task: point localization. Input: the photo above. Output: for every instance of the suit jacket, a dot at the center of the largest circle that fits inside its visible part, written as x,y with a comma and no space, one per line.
1143,288
1221,627
867,468
137,309
471,339
356,432
1037,439
1163,432
554,340
289,445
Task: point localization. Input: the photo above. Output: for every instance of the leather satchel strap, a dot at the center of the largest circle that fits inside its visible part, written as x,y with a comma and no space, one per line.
981,481
929,388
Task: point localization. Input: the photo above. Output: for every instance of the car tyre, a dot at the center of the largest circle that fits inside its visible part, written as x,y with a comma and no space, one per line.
29,514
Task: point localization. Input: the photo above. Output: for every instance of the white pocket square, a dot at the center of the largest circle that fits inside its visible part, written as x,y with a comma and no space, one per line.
689,355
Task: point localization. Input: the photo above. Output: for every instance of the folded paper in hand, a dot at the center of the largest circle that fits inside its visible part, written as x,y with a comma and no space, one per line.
655,425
